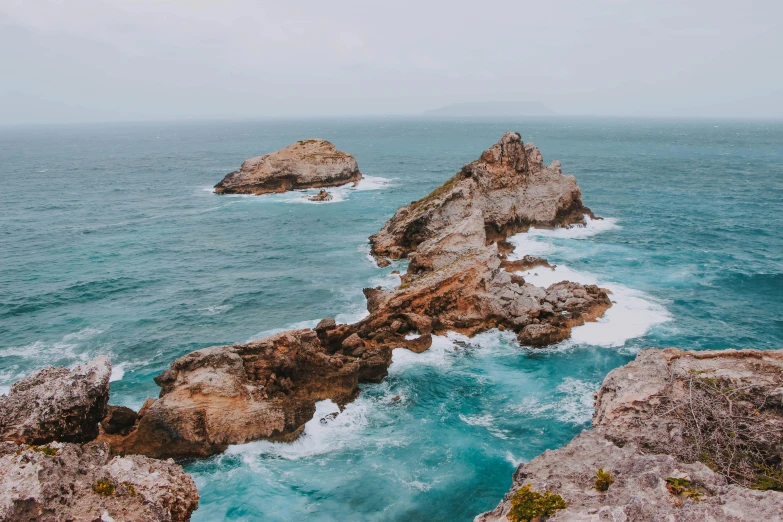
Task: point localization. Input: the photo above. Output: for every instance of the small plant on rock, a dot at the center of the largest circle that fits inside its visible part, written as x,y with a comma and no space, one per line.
603,479
527,504
131,489
46,450
681,487
104,487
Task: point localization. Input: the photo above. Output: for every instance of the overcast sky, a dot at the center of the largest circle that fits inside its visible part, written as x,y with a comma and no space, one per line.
93,60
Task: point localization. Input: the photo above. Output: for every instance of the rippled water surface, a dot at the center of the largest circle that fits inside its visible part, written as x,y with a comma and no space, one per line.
111,242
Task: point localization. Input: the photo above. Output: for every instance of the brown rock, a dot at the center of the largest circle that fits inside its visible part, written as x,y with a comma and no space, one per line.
266,389
321,196
119,419
305,164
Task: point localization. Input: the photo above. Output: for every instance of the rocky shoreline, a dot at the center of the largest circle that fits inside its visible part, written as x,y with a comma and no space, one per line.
267,389
659,454
679,436
52,469
313,163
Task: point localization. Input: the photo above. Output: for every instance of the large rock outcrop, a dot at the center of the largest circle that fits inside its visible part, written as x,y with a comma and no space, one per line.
57,404
457,280
62,481
686,436
305,164
505,191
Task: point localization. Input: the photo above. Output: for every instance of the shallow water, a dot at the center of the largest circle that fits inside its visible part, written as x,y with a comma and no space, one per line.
111,242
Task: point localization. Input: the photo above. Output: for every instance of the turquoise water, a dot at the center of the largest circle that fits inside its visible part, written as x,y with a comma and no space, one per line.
111,242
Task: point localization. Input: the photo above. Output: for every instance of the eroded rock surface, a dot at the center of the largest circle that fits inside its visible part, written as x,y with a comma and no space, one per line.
57,404
457,280
62,481
304,164
713,420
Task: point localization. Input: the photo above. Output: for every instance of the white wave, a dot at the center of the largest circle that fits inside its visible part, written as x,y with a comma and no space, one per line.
117,372
81,335
485,421
386,281
526,245
575,404
328,430
591,228
4,390
372,183
42,351
633,312
440,354
215,310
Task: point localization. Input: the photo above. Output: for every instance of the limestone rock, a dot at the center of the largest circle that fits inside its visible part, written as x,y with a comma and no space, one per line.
644,433
62,481
57,404
305,164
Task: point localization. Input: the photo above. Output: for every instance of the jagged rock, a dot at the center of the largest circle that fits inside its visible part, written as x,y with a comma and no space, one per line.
57,404
455,282
505,191
305,164
62,481
321,196
645,431
233,394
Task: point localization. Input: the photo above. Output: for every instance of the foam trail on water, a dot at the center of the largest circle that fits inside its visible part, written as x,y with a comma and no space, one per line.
591,228
632,314
328,430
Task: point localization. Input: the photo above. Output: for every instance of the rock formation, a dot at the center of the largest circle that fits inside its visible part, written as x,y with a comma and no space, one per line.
46,475
56,404
455,281
304,164
321,196
63,481
684,436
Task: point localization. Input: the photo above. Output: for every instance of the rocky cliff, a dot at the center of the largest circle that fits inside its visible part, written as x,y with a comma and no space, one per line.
44,475
305,164
458,279
683,436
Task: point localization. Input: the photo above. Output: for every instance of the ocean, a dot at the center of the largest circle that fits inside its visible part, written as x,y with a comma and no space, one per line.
111,242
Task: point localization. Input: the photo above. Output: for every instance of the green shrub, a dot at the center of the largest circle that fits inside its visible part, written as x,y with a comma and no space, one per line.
682,488
603,479
104,487
527,504
769,478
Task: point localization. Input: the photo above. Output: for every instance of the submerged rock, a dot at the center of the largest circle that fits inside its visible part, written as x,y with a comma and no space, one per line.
57,404
321,196
683,436
305,164
62,481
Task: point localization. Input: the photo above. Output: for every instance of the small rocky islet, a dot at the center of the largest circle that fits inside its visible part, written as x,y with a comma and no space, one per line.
462,276
313,163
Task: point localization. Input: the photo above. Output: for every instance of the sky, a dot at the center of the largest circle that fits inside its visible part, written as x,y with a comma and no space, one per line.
107,60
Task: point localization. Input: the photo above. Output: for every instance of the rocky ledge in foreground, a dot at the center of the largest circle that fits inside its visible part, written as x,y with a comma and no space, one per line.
45,476
457,280
679,436
305,164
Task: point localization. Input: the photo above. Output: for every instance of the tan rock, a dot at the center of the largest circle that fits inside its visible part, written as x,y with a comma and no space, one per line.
305,164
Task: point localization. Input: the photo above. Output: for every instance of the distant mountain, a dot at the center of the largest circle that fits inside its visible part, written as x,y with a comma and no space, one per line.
493,109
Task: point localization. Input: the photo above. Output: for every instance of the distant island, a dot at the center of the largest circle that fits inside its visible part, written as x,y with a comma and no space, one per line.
508,108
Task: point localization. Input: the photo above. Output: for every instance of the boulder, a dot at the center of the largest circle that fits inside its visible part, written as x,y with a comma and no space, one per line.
57,404
63,481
